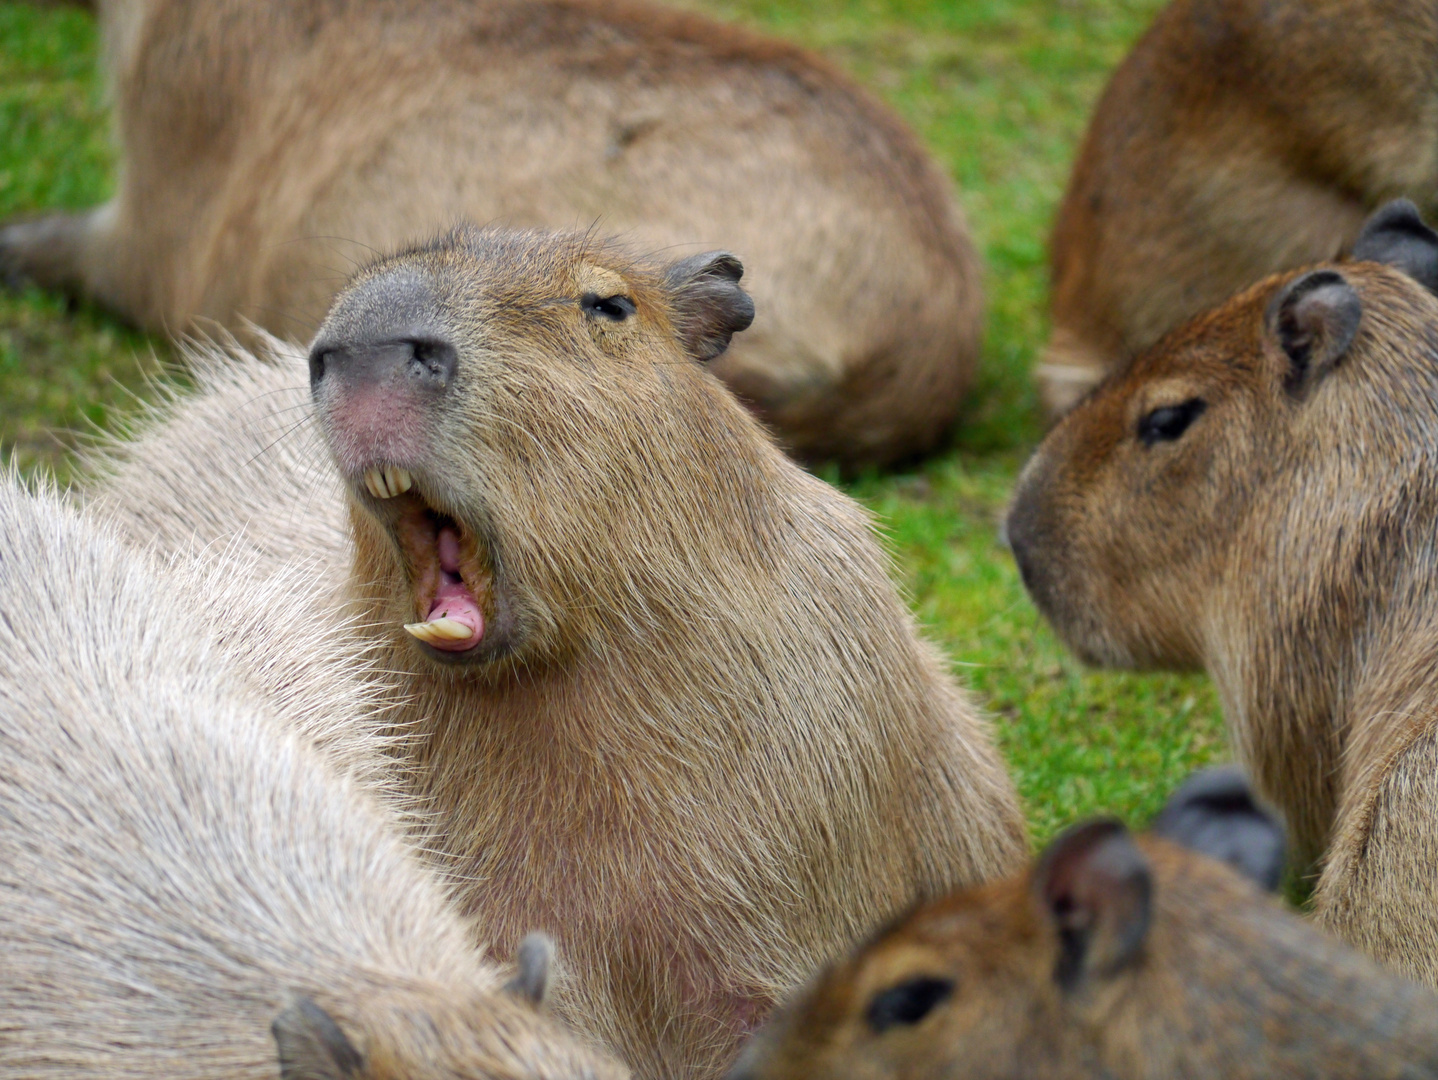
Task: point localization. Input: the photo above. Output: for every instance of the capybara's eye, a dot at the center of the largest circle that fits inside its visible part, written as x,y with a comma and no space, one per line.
614,308
1169,422
907,1003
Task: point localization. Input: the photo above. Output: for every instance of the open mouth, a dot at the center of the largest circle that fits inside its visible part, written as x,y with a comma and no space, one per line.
452,582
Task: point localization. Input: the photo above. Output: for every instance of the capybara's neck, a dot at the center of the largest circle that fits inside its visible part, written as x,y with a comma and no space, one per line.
1320,656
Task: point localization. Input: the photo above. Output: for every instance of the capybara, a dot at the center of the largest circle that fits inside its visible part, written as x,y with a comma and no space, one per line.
1114,958
1258,495
665,702
1239,138
266,145
189,888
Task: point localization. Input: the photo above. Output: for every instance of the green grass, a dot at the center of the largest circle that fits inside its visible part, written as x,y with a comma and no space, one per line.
1000,90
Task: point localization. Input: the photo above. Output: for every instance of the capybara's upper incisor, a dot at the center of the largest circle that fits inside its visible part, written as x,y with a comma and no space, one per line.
1240,138
190,888
667,704
1258,495
1114,958
266,145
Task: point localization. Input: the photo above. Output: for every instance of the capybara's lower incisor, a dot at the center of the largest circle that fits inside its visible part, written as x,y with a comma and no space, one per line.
190,889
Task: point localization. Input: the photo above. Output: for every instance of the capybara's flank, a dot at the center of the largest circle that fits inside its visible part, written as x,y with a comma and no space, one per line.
1258,495
266,145
190,889
1240,138
663,698
1115,958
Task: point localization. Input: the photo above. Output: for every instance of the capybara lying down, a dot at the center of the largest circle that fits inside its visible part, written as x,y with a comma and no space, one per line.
268,145
1114,958
1257,495
1240,138
663,701
190,889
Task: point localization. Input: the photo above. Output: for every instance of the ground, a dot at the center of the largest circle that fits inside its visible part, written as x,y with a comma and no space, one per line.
1000,91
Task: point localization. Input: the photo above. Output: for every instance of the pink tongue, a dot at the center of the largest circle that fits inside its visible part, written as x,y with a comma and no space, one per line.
453,600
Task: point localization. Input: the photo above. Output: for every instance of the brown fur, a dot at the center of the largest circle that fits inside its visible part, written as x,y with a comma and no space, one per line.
181,870
708,750
269,144
1285,542
1239,138
1225,985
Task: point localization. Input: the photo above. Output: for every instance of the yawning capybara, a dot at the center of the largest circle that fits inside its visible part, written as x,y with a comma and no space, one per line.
189,888
665,702
1114,958
1257,495
266,145
1240,138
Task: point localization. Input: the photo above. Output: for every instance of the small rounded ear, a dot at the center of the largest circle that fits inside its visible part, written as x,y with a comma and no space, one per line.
707,304
312,1046
1214,813
1314,319
1097,888
1395,235
535,960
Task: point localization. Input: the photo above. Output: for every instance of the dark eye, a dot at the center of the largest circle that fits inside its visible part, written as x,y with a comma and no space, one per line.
907,1003
614,308
1169,422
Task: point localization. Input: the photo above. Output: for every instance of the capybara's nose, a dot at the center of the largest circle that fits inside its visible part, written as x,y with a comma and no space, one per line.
423,364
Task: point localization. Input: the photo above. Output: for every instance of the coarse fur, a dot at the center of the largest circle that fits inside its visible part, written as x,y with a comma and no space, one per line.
1280,534
1238,139
190,888
266,146
703,746
1113,958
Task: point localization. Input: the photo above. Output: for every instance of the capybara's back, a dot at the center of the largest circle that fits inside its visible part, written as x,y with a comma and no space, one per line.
1240,138
268,145
1113,958
189,888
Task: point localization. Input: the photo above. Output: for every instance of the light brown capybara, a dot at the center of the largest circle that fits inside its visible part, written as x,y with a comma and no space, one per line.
268,146
1114,958
189,888
665,703
1257,496
1239,138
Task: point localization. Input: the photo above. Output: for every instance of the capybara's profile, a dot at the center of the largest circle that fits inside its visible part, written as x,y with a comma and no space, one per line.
1258,495
1114,958
665,702
266,146
189,888
1238,139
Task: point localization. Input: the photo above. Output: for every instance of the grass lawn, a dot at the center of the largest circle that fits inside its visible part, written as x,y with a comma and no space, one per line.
1000,90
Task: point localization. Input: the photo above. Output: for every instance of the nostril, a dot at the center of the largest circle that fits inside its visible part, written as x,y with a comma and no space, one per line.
319,359
432,362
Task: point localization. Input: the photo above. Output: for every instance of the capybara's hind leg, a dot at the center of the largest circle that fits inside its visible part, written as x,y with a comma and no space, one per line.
48,252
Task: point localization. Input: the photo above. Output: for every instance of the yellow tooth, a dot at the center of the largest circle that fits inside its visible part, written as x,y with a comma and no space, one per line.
374,482
439,630
399,480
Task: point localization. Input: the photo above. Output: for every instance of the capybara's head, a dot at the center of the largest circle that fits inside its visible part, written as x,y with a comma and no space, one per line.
1031,978
1234,438
421,1034
529,435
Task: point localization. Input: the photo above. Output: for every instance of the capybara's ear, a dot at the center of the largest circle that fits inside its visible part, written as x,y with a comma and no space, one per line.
534,959
707,304
1214,813
1097,888
312,1046
1396,235
1314,318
